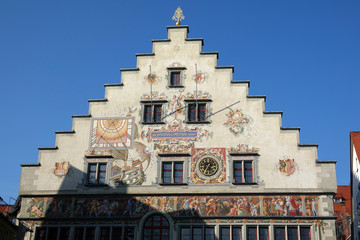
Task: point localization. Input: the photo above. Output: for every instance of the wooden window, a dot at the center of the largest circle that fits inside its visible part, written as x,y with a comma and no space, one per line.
96,173
243,171
175,79
172,172
264,233
152,113
197,112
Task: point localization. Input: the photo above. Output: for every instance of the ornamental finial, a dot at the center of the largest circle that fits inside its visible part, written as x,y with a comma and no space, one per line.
178,16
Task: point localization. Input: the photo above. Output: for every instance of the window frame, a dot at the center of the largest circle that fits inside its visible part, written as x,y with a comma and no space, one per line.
98,162
243,158
153,104
181,74
172,159
198,111
191,228
231,231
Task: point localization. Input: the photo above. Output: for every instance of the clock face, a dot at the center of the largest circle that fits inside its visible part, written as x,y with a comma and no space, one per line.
208,166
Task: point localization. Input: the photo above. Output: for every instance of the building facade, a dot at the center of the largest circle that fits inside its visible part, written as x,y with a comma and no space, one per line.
355,184
178,150
342,209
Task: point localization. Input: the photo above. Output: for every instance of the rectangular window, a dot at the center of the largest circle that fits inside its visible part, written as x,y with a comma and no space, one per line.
264,233
64,233
105,233
292,233
225,233
197,233
230,233
197,112
236,233
251,233
172,172
40,234
279,233
243,172
305,233
152,113
175,79
97,173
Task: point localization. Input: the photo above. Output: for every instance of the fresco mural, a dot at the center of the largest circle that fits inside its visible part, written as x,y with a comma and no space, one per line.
287,166
239,123
174,138
61,168
152,78
200,77
154,96
175,206
176,106
130,168
243,148
208,165
198,95
109,133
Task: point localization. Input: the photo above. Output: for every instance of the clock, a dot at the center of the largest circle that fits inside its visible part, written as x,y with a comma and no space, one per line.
208,167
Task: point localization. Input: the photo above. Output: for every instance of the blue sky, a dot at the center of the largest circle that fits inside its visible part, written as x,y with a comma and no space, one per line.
55,55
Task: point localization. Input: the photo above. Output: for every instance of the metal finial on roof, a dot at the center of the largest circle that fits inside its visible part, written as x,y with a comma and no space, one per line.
178,16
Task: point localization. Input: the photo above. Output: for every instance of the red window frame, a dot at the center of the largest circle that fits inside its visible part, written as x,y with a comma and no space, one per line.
152,113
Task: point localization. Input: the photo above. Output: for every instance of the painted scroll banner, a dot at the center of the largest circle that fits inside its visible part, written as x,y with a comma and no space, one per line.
109,133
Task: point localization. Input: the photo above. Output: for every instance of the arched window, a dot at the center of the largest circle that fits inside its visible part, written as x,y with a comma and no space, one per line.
156,227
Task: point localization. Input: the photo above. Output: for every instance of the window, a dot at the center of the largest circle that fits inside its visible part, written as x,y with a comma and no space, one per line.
97,173
252,233
85,233
152,113
175,79
243,171
172,172
176,76
156,227
235,233
292,233
196,112
197,233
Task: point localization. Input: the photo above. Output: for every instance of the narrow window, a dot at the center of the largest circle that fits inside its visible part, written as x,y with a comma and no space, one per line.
64,233
90,233
178,173
279,233
209,233
251,233
116,233
197,233
185,233
305,233
238,172
79,233
264,233
225,233
248,171
236,233
105,233
167,170
175,79
292,233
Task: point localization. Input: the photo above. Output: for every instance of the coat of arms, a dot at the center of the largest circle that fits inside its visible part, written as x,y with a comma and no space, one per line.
287,166
61,168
